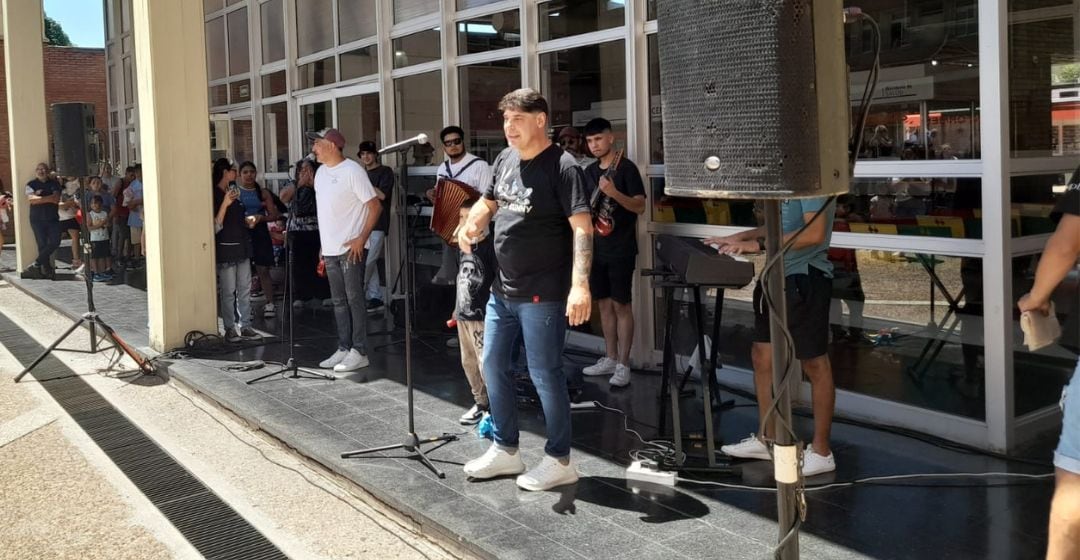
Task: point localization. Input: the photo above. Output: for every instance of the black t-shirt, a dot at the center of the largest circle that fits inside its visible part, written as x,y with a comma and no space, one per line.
533,239
382,178
1070,202
44,212
232,243
622,242
475,275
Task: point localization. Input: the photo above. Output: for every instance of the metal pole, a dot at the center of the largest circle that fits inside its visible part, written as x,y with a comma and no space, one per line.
786,499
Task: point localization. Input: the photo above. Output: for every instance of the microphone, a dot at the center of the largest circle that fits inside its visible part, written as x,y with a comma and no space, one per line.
405,144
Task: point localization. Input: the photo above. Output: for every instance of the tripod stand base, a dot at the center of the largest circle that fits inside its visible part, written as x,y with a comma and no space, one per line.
296,373
95,321
412,444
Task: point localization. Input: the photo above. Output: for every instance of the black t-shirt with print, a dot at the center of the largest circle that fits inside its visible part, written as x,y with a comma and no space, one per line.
44,212
382,178
533,239
1070,202
621,244
476,272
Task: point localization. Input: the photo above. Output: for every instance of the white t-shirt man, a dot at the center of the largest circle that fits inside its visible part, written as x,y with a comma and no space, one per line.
470,170
341,196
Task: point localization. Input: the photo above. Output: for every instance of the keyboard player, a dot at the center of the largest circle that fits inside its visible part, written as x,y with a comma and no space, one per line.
808,287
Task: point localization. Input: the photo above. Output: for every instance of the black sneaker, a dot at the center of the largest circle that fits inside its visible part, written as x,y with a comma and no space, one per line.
374,305
33,272
473,415
248,333
232,336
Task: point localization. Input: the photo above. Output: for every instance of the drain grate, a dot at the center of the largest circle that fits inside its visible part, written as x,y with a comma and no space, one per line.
208,523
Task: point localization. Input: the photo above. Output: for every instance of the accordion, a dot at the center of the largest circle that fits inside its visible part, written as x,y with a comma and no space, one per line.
450,195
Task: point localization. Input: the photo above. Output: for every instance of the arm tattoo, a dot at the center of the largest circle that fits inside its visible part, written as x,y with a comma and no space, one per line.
583,253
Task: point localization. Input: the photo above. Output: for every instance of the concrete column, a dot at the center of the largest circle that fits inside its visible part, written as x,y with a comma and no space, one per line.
171,67
23,26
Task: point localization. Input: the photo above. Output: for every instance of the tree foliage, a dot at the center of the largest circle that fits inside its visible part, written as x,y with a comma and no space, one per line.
54,33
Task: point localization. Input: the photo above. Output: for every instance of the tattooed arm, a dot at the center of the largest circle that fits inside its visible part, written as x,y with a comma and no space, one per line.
579,304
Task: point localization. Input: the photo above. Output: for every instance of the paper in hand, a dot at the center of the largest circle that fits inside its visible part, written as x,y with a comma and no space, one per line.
1040,330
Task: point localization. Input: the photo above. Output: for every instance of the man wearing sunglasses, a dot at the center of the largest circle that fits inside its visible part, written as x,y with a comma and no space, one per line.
467,168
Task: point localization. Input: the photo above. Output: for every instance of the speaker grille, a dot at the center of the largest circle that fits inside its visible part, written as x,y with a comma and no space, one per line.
738,80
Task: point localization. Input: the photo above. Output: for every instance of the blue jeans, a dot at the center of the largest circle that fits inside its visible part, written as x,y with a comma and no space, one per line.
1067,454
234,294
371,265
543,326
47,235
350,307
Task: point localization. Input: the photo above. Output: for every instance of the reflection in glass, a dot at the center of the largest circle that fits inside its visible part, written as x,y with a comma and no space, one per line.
418,101
709,211
586,82
466,4
314,26
563,18
656,114
220,137
318,73
243,140
417,48
1033,197
488,33
273,84
239,92
276,138
358,120
894,334
219,95
209,6
315,116
356,20
273,31
1044,81
482,86
238,42
360,62
405,10
215,48
926,102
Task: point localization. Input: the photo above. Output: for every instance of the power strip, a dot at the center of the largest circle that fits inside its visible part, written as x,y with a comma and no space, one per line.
648,473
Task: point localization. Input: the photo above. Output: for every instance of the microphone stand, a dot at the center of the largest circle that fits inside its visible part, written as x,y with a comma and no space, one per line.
412,441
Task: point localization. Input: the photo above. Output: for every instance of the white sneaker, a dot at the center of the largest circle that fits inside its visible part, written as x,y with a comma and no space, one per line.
817,464
621,378
603,366
495,462
547,475
269,311
298,304
749,448
352,362
334,360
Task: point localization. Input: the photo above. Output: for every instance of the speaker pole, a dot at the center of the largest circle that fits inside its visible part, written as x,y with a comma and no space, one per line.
786,493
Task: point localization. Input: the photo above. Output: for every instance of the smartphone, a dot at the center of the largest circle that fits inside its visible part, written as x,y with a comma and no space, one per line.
235,190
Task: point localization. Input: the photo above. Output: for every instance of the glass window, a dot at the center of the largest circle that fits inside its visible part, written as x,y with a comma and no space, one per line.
466,4
125,19
356,20
650,9
232,2
133,144
488,33
238,42
273,84
1042,374
219,95
276,138
318,73
714,212
418,102
1044,82
111,11
129,81
209,6
220,138
586,82
129,115
243,140
114,119
215,48
563,18
314,26
114,149
1033,197
405,10
656,113
358,120
360,62
240,91
127,44
273,31
481,88
112,84
417,48
926,102
315,116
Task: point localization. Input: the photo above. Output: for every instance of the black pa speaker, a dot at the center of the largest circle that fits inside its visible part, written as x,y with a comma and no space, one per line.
755,98
75,147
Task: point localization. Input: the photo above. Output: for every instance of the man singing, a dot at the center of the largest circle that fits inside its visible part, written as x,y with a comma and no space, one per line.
611,282
467,168
348,209
808,289
543,247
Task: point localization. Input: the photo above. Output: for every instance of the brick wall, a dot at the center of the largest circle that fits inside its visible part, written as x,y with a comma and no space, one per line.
72,74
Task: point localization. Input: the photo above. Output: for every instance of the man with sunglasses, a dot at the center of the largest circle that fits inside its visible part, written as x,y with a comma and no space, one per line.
467,168
570,141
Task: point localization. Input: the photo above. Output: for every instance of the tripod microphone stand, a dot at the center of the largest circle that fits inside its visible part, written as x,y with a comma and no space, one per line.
290,364
91,316
412,441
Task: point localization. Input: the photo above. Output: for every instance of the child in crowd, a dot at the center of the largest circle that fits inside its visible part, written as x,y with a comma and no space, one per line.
133,200
476,271
100,249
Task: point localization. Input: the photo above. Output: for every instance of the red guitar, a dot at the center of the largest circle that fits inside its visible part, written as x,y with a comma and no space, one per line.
601,204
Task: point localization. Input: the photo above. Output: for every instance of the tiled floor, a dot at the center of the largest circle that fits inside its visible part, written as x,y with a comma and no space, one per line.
601,516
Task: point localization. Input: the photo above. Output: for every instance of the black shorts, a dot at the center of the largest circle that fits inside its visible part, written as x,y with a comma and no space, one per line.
612,279
262,246
100,249
69,224
808,297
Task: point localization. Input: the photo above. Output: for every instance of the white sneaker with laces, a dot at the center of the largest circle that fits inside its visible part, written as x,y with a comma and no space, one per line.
621,378
547,475
495,462
603,366
352,362
749,448
334,360
813,463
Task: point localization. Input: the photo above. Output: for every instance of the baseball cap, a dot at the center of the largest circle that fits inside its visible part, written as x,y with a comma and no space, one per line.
367,146
330,134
